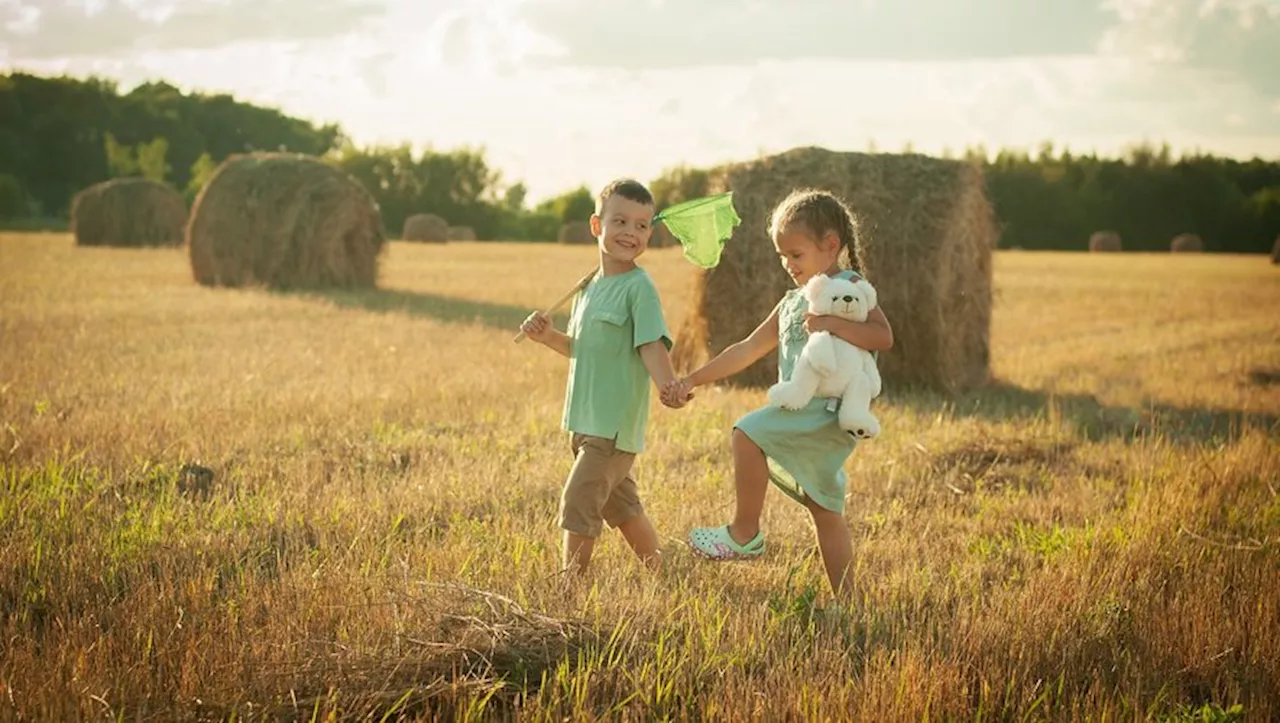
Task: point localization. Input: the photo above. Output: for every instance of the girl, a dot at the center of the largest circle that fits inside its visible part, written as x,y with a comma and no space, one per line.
802,451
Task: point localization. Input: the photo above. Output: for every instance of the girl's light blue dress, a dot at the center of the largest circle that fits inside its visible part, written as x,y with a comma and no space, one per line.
806,448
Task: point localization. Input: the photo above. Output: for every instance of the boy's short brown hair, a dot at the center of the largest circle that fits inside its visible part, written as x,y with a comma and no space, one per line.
628,188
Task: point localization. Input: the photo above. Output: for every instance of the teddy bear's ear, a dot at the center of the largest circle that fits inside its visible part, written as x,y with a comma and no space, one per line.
869,292
813,289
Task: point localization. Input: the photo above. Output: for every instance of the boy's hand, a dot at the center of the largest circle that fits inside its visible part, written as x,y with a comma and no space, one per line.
676,393
537,327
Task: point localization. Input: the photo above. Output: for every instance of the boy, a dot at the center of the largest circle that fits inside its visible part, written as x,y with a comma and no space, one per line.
616,341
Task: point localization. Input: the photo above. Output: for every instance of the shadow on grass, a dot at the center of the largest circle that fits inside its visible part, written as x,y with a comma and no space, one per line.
1093,420
441,308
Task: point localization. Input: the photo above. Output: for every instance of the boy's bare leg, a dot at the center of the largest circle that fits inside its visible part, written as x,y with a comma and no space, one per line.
639,533
576,551
836,547
751,480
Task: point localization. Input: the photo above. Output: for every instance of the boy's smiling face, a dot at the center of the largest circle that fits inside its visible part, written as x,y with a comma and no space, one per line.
623,228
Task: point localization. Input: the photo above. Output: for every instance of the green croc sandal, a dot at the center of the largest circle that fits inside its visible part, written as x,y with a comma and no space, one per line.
715,543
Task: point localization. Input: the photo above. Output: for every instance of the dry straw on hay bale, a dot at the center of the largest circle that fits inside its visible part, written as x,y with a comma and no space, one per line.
1186,243
926,239
661,237
462,233
576,232
284,221
425,227
1105,241
128,212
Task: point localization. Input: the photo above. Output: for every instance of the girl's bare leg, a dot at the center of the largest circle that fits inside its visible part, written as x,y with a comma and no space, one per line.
836,547
751,480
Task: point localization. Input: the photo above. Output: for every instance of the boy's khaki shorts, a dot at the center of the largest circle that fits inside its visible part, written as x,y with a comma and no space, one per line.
599,488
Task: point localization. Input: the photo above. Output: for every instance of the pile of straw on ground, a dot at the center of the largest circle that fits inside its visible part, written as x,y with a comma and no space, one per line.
128,212
1105,241
1186,243
926,240
284,221
576,232
462,233
425,227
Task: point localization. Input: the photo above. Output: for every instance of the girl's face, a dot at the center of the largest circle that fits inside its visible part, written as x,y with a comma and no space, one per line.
804,255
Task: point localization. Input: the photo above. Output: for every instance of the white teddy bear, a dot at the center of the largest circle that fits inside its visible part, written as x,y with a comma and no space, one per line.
832,367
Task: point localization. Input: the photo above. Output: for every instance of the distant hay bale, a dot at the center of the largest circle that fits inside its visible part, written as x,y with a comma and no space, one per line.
462,233
927,232
576,232
1105,241
1186,243
284,221
128,212
425,227
1275,251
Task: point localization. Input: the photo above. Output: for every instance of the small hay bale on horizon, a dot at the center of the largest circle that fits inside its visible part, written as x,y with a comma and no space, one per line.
576,232
128,212
284,221
462,233
926,238
1275,251
1105,241
1186,243
425,227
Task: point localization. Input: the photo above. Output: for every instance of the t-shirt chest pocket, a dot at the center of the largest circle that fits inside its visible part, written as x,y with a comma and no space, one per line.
606,329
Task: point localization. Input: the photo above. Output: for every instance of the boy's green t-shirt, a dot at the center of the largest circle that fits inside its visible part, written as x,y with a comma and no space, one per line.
608,388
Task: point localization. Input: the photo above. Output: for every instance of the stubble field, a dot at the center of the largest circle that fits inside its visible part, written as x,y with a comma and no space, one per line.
1095,536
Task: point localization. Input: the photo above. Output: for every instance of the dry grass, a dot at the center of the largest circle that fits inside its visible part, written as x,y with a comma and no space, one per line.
1096,536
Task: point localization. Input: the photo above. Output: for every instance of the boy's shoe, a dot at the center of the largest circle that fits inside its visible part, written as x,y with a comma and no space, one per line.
715,543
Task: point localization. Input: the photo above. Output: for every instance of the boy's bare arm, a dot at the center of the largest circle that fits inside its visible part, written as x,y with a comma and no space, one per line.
657,360
538,327
874,334
559,342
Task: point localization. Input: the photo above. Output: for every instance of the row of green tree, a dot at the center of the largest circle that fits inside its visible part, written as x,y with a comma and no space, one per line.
59,135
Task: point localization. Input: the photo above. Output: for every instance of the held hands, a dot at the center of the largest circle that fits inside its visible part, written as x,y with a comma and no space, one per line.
676,393
537,327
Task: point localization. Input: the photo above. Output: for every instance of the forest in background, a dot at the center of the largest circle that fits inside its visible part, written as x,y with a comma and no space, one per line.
59,135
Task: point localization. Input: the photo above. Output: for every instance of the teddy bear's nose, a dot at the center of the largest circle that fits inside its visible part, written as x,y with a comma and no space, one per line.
848,299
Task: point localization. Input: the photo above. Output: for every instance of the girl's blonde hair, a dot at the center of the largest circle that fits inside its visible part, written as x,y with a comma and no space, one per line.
819,212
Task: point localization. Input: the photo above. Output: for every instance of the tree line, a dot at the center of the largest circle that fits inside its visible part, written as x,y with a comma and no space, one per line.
59,135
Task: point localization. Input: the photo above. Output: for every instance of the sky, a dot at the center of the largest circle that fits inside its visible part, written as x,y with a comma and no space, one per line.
565,92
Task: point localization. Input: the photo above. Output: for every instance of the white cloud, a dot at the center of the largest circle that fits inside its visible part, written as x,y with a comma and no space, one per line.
456,73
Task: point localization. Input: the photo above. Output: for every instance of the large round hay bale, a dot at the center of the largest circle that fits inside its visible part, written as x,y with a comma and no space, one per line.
661,237
462,233
1105,241
1275,251
576,232
283,221
426,227
128,212
926,240
1186,243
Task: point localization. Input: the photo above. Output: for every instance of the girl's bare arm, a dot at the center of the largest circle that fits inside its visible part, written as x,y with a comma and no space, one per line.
874,334
740,355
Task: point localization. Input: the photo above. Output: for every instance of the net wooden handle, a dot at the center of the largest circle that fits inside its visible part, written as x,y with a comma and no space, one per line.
561,301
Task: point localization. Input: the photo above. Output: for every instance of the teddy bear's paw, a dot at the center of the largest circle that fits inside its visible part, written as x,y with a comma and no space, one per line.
864,426
786,396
